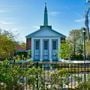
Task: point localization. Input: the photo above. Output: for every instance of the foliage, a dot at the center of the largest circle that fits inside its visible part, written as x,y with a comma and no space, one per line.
7,44
59,78
34,76
72,48
20,50
75,39
10,74
65,50
15,75
84,85
88,49
74,35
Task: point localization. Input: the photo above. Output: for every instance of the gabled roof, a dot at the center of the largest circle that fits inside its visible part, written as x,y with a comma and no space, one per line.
45,31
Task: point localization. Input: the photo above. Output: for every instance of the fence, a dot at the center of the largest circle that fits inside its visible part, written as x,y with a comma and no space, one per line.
46,76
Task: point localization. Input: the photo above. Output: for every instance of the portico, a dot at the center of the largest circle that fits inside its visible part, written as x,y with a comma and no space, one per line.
45,49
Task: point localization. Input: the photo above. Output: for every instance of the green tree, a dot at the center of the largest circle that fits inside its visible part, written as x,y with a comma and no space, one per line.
75,38
88,49
7,44
65,50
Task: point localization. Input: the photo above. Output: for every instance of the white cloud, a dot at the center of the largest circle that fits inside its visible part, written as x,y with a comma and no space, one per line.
16,30
79,20
9,26
54,13
5,23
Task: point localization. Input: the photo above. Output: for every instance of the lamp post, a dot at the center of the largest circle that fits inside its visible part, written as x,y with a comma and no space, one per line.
84,41
84,51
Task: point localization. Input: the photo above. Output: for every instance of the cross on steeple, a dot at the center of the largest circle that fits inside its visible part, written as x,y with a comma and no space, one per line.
45,15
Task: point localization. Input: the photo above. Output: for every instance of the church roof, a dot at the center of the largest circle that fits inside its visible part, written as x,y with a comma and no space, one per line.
45,30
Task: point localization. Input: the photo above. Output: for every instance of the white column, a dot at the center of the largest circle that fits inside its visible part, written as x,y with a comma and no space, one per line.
32,49
41,50
59,42
50,50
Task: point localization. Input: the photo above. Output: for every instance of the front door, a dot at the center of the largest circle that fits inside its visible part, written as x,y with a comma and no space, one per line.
55,50
36,50
46,50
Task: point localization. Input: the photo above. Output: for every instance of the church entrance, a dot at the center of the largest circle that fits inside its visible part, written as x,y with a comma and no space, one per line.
37,50
46,50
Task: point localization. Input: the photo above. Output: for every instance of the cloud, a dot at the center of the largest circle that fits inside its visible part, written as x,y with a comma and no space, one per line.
16,30
5,23
19,32
54,13
79,20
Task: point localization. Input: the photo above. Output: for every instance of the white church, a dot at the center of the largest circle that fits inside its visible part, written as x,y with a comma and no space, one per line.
45,42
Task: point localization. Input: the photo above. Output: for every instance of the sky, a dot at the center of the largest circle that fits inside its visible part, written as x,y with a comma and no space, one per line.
22,17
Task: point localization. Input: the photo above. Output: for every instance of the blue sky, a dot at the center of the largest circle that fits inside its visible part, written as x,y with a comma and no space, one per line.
23,17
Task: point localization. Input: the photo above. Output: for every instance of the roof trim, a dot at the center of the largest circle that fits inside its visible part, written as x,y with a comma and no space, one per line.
41,28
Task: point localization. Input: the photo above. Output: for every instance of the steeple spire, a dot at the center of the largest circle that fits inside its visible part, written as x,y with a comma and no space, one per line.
45,15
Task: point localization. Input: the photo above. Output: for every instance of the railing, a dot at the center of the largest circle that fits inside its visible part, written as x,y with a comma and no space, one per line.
47,76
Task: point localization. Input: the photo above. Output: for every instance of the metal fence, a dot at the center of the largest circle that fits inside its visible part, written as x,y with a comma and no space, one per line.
52,76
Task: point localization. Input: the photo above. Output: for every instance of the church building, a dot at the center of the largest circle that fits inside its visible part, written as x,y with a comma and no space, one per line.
45,42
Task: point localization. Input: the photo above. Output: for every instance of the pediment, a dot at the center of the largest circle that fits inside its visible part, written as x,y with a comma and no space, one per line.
45,32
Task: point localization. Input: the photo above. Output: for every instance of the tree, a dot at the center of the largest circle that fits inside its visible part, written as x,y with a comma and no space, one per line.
88,50
75,38
65,50
7,44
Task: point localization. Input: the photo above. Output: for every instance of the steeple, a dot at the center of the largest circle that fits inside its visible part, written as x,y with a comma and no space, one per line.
45,16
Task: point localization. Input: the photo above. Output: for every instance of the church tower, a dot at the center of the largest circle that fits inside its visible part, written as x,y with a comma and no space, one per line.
44,42
45,16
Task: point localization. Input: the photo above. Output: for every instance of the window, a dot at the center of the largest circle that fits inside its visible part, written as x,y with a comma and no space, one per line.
54,44
45,44
37,44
